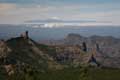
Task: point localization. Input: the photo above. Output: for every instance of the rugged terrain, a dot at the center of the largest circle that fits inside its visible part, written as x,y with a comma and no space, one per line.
22,56
106,49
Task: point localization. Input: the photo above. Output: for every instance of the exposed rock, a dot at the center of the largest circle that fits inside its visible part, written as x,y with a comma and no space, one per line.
106,49
4,49
25,35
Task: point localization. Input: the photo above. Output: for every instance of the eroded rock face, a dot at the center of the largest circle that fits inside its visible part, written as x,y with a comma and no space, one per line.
106,49
9,69
4,49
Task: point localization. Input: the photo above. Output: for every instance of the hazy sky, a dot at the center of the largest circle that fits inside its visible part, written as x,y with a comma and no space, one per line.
18,11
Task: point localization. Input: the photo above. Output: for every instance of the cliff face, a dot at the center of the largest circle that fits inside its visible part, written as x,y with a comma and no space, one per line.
106,49
74,39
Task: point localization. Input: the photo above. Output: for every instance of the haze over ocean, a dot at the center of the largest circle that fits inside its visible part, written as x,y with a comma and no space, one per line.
8,31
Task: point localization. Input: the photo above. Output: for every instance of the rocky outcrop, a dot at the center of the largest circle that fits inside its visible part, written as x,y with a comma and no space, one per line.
4,52
19,52
25,35
4,49
106,49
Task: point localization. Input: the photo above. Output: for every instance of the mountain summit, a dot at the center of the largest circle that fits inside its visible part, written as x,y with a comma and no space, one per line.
23,51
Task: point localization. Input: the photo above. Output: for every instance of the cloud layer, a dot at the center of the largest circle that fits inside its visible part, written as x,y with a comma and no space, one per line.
14,13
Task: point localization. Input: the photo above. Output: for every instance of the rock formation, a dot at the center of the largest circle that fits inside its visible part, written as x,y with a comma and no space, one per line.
25,35
84,46
4,49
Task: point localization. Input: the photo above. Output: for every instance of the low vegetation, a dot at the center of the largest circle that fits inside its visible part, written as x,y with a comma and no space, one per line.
69,74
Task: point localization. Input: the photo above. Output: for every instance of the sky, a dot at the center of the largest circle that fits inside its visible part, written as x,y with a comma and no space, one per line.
101,11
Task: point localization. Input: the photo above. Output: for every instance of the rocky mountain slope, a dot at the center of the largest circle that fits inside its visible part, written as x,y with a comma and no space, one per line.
106,49
22,52
17,54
